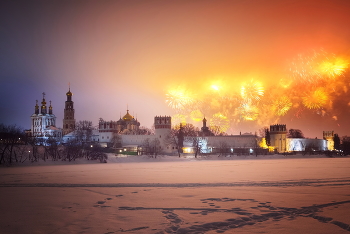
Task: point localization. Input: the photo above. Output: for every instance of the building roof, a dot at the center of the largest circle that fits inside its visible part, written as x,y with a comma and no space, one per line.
128,117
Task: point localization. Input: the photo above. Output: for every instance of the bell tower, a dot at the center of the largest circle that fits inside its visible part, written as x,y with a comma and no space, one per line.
68,119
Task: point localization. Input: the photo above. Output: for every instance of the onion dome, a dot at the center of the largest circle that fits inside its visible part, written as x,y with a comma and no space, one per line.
69,93
127,117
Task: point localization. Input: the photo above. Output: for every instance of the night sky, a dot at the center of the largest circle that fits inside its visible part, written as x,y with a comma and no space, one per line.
125,53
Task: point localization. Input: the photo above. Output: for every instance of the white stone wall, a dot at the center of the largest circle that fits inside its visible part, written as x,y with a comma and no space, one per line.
300,144
135,139
105,137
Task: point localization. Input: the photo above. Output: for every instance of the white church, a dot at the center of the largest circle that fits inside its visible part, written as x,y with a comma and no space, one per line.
43,122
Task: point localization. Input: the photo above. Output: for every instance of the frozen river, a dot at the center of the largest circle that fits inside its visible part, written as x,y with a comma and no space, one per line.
309,195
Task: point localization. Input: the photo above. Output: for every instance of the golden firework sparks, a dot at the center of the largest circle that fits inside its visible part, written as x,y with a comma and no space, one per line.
315,99
220,121
179,98
281,105
249,112
334,67
196,115
252,91
177,119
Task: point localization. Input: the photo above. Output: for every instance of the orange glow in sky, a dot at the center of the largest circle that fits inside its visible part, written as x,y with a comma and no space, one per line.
119,53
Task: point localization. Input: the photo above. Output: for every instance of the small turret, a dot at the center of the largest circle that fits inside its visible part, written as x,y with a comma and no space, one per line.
69,95
36,111
43,106
50,109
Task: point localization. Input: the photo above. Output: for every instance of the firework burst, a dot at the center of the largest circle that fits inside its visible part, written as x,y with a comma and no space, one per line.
179,98
281,106
221,121
316,99
196,115
317,66
249,112
177,119
252,91
333,67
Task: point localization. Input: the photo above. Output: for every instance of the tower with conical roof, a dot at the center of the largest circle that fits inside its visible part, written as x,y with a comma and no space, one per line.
68,119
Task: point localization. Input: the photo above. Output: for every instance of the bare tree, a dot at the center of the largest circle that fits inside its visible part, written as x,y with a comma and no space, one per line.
72,150
145,147
336,140
155,147
216,130
52,147
116,141
181,133
223,148
11,136
145,131
195,143
175,139
295,133
95,152
83,130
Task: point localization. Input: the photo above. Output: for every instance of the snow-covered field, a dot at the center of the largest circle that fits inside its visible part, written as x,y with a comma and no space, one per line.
167,194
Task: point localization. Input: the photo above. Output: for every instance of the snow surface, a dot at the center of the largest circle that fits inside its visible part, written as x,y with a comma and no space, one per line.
167,194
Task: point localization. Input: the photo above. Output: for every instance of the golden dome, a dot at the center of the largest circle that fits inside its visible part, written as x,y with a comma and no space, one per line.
69,93
127,117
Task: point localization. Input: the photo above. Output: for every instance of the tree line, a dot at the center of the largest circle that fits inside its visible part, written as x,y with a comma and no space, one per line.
18,147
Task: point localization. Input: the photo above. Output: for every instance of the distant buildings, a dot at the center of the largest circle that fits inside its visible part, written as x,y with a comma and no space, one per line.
279,140
126,134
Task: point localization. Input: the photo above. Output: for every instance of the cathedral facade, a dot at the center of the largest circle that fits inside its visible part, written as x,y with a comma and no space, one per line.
43,121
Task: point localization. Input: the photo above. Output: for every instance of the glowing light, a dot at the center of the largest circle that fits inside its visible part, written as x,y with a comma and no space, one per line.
304,67
263,144
315,99
281,105
315,80
177,119
179,98
215,87
334,67
221,121
316,66
196,115
249,112
252,90
285,83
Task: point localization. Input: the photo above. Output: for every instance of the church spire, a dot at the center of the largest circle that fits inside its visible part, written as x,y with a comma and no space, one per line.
69,94
50,109
36,111
43,105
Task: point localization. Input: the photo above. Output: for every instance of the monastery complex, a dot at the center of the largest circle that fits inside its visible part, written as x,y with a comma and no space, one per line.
131,139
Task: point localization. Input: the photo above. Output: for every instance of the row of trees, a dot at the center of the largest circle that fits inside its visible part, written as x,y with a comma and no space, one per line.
17,147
